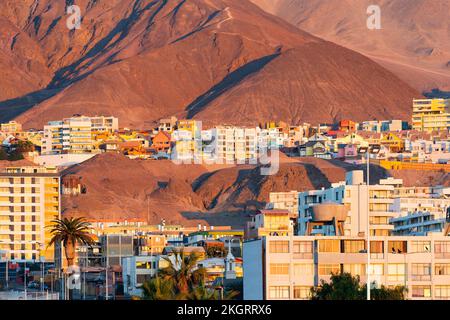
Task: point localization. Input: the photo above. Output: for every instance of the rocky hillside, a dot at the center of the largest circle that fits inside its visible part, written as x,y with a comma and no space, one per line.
214,60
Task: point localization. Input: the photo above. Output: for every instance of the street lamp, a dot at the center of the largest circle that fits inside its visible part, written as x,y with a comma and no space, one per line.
368,150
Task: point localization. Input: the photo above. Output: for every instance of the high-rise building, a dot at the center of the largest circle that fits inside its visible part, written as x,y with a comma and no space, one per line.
29,200
236,144
75,135
353,194
431,115
286,267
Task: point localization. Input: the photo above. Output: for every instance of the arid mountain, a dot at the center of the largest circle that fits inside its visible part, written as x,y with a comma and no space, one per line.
192,194
188,194
214,60
413,42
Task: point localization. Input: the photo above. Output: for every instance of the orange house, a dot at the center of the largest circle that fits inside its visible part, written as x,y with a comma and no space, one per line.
161,141
347,125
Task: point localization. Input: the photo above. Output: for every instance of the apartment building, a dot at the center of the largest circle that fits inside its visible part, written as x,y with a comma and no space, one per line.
431,115
29,200
435,200
286,267
188,141
284,200
429,151
353,194
235,144
383,125
136,270
11,127
115,247
270,223
418,223
75,135
104,124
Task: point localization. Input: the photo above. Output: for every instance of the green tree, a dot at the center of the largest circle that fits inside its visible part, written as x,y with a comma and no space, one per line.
15,156
158,289
24,146
3,154
182,279
384,293
70,232
216,252
344,286
341,287
182,270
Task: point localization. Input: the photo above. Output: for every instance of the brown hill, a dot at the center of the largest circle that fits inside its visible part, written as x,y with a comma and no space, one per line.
413,41
218,60
118,187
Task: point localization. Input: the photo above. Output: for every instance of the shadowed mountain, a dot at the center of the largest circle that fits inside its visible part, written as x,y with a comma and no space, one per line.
413,41
214,60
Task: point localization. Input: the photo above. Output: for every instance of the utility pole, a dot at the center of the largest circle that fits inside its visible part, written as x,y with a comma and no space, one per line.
368,226
106,270
25,278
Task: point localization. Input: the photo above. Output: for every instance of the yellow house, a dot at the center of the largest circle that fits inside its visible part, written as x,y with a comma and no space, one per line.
185,144
393,142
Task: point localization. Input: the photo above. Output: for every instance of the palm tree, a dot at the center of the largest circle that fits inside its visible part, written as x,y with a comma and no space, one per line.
183,272
71,231
158,289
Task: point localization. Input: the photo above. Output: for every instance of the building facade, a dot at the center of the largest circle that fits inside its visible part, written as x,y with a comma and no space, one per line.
29,201
353,194
287,267
75,134
431,115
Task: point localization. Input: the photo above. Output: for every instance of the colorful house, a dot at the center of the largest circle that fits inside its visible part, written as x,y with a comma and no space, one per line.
393,142
161,142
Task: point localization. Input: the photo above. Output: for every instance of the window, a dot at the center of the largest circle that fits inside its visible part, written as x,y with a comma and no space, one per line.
420,246
303,249
354,246
379,232
303,269
397,247
355,269
378,207
302,292
279,269
279,246
421,291
376,269
421,271
279,292
328,269
442,292
329,246
143,265
442,249
377,249
442,269
396,272
377,220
